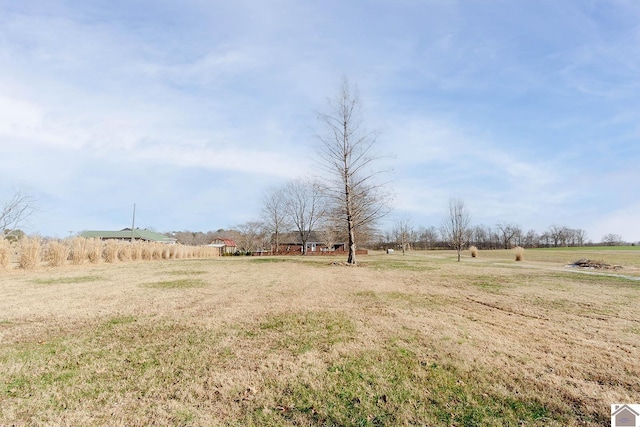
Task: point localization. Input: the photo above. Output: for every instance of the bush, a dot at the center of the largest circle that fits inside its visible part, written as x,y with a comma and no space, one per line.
57,253
519,253
30,252
78,250
6,251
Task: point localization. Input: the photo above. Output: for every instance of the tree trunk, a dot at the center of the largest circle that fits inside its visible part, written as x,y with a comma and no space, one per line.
351,259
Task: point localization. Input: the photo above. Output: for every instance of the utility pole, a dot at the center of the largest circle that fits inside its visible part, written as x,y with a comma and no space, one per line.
133,222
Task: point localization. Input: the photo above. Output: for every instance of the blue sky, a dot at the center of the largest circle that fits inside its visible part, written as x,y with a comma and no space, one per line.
527,110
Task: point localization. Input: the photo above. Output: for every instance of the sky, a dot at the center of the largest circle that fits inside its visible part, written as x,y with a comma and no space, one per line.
527,110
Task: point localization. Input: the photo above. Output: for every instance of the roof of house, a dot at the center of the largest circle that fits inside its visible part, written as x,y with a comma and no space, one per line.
226,242
126,234
293,238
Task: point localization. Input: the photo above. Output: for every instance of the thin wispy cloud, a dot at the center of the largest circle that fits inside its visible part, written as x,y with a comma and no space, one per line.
527,111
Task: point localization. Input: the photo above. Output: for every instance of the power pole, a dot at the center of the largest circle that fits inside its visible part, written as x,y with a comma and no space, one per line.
133,222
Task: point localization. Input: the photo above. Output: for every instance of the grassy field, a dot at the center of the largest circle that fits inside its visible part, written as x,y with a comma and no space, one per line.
399,340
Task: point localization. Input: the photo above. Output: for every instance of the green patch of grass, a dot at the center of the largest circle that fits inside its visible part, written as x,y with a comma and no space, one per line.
597,278
122,320
122,357
68,280
177,284
299,332
183,272
268,260
416,300
392,385
396,264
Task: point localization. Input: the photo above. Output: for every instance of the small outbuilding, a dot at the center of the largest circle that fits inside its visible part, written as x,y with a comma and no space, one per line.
227,246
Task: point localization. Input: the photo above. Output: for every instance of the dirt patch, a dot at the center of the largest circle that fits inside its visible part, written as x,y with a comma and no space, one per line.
596,265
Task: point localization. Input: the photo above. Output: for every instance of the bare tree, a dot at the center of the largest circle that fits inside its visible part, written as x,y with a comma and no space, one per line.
346,154
14,212
404,233
429,236
276,220
304,207
558,233
612,239
251,236
508,233
455,227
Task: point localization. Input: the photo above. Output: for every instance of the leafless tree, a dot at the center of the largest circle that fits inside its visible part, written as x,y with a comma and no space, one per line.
612,239
251,236
276,220
14,212
304,207
455,227
404,233
508,234
558,233
346,154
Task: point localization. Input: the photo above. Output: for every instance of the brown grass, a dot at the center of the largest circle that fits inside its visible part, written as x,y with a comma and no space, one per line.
30,252
6,253
56,253
270,341
519,251
474,251
78,249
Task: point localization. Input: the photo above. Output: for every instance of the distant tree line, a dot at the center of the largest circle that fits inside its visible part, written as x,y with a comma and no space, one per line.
404,235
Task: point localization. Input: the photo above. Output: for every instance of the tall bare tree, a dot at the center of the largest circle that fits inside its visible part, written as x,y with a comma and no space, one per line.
508,233
455,227
276,220
404,233
251,236
304,207
346,154
14,211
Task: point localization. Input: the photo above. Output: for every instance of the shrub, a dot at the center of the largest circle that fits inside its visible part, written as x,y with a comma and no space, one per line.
519,253
57,253
94,250
6,251
124,251
474,251
78,252
30,252
110,251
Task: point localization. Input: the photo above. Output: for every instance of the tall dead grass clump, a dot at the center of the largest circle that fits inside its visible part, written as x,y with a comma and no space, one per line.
6,253
94,250
78,251
57,253
156,250
147,252
30,249
124,251
136,251
519,250
110,251
474,252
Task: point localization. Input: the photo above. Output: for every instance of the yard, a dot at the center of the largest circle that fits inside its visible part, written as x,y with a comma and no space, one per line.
399,340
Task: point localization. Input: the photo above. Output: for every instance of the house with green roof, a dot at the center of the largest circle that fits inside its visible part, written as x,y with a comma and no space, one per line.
127,234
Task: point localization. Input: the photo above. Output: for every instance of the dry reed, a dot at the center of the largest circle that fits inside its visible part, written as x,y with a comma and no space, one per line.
6,252
519,253
94,250
30,252
57,253
78,250
474,251
110,251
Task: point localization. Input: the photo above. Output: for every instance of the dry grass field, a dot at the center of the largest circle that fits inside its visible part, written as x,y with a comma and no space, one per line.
399,340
